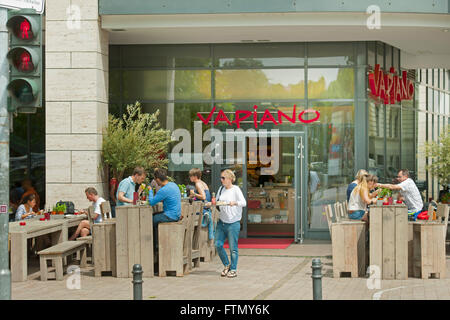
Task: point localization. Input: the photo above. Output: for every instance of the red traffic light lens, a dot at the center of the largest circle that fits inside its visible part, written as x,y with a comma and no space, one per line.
22,60
22,28
25,32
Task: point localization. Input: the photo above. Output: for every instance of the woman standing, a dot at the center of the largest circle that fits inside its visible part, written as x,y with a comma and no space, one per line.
25,210
202,193
361,197
229,224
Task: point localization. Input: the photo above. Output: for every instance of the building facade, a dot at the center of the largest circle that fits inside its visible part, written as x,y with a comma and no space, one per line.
187,59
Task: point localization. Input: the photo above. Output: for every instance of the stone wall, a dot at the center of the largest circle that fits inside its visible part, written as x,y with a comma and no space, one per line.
76,86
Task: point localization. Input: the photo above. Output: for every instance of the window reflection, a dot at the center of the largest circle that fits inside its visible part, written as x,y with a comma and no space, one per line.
331,83
331,157
166,84
376,140
260,84
330,54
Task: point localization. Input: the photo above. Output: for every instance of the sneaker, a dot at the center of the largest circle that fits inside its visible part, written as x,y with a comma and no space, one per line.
225,271
232,274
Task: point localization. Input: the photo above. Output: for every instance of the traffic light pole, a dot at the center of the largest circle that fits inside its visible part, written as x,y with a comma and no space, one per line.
5,274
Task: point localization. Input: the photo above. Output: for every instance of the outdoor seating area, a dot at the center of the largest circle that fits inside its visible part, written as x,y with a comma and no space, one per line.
115,244
392,246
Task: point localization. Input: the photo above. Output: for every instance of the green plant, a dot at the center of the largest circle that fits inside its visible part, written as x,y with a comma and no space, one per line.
385,193
61,207
54,209
438,153
182,188
135,139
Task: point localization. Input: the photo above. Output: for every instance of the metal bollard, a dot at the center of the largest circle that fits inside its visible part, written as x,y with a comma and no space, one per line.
317,279
137,282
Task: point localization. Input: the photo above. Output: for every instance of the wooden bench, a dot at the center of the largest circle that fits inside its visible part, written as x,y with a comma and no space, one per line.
104,247
57,252
197,225
349,248
429,244
175,243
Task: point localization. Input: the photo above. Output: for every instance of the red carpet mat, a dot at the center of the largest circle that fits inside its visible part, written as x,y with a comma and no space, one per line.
266,233
255,243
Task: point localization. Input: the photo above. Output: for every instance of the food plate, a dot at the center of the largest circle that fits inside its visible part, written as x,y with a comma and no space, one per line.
222,203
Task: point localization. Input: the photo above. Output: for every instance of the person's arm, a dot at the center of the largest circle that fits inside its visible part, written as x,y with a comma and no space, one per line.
390,186
121,197
241,202
154,199
21,213
201,195
374,194
366,198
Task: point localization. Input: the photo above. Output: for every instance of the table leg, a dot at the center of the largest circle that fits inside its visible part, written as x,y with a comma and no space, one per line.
19,258
59,268
44,273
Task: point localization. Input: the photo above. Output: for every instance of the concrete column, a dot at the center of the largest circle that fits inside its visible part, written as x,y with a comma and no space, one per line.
76,85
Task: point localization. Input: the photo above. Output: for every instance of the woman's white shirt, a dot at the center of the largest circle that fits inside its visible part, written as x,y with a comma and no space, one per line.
356,202
230,214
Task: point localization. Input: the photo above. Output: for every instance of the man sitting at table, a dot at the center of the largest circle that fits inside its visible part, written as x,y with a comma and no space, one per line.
170,196
408,192
128,186
84,228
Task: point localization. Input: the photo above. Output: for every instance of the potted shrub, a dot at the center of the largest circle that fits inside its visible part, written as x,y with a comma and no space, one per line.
54,210
134,139
61,208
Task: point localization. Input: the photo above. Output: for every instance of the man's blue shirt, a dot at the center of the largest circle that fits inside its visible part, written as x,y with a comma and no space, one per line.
128,187
171,198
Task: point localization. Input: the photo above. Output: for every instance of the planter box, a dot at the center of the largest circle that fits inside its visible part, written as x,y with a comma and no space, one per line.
389,240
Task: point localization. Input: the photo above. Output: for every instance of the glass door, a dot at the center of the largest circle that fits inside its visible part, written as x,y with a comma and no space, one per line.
272,173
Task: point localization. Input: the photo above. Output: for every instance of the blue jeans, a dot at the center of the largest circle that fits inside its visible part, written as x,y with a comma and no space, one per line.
230,231
157,219
207,221
356,215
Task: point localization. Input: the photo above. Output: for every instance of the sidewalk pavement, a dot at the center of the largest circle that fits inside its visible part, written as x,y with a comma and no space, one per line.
263,274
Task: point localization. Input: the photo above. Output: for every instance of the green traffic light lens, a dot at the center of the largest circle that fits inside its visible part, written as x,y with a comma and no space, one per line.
22,91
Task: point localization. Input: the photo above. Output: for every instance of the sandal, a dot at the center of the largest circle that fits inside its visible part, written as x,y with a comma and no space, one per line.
225,271
232,274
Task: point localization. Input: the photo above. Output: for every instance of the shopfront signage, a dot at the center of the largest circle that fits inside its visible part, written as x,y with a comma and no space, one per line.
390,87
37,5
242,115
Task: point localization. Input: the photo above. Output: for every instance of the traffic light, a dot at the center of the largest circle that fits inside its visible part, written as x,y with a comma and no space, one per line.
25,59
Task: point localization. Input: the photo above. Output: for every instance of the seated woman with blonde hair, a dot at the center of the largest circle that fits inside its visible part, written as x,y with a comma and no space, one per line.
361,197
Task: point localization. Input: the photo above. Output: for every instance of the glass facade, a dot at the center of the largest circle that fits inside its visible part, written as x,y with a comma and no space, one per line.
181,80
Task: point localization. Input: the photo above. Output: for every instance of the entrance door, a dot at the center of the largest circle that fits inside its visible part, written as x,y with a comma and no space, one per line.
277,194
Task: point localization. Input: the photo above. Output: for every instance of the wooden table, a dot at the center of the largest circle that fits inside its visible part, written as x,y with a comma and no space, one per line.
57,227
389,241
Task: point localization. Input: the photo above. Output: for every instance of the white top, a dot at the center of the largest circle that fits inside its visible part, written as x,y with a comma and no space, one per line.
411,195
97,209
230,214
356,202
21,211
